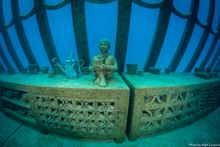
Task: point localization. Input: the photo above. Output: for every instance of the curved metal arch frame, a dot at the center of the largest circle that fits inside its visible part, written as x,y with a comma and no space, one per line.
56,6
2,68
203,39
21,34
4,58
8,41
149,5
186,37
214,59
206,26
159,35
100,1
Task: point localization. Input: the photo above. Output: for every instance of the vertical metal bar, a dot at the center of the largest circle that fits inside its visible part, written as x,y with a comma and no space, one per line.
44,29
4,58
79,20
186,37
214,59
211,48
159,35
7,40
21,34
124,14
209,53
2,68
203,39
197,52
217,65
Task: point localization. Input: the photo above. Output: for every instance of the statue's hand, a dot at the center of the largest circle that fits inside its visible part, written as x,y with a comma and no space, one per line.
99,67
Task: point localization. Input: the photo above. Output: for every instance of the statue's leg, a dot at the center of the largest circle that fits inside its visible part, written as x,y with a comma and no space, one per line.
97,74
109,75
102,80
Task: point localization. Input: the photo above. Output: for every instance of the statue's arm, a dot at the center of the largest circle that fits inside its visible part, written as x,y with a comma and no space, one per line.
113,66
91,65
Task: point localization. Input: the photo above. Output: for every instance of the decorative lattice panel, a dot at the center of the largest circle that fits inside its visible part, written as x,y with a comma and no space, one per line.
78,117
161,111
158,109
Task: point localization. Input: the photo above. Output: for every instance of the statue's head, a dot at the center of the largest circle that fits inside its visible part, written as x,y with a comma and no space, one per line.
104,46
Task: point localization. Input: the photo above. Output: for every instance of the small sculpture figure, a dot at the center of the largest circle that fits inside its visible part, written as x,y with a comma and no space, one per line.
71,69
103,65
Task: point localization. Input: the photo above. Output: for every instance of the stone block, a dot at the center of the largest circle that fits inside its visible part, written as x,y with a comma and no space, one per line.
163,102
76,107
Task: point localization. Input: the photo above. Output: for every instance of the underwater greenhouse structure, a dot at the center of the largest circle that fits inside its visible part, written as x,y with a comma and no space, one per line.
109,69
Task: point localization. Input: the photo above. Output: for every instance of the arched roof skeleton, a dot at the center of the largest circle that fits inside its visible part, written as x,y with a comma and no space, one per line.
124,11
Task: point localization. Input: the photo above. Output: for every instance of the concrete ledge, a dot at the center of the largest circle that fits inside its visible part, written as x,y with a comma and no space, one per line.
78,108
75,107
164,102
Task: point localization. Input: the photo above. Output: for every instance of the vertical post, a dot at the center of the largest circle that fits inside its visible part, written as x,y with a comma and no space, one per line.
4,58
2,68
203,39
159,35
211,48
209,53
186,36
123,24
7,40
21,34
79,21
44,29
217,65
214,59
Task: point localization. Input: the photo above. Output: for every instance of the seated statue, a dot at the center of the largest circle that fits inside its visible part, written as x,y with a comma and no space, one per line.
103,65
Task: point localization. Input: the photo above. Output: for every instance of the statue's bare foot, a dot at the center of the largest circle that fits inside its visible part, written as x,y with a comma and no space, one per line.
102,83
97,81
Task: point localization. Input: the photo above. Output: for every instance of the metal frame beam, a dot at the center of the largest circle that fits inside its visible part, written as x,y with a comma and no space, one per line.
7,40
79,21
203,39
159,35
2,68
21,34
44,29
4,58
123,24
186,36
214,59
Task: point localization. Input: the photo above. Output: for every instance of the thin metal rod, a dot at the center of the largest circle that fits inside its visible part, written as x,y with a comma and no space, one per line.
4,58
21,34
211,48
203,39
56,6
149,5
44,29
123,24
79,20
217,65
8,42
186,37
2,68
214,59
159,35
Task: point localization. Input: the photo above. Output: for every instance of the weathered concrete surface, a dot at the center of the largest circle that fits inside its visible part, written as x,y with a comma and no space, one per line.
164,102
200,132
75,107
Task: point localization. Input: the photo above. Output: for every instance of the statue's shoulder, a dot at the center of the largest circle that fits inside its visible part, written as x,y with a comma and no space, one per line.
111,57
96,57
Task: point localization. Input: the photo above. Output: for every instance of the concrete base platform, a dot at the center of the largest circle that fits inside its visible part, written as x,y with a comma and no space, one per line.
72,107
203,131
